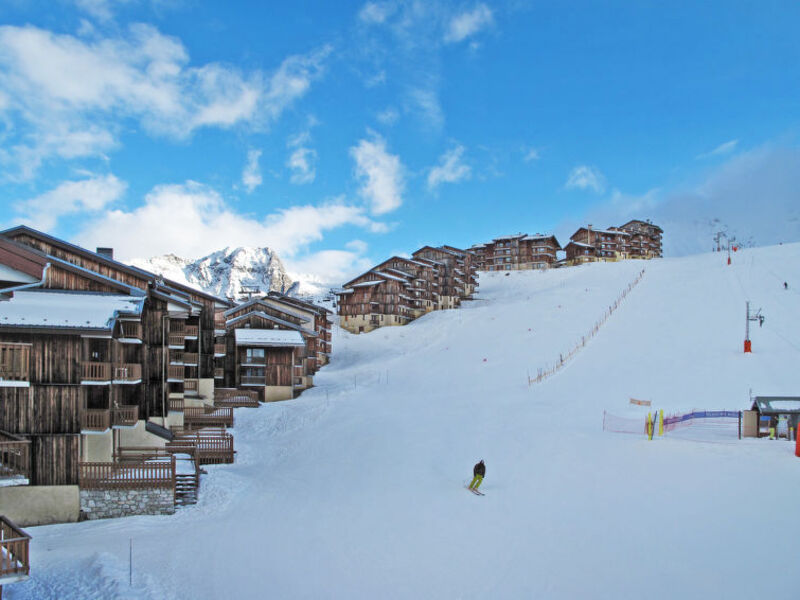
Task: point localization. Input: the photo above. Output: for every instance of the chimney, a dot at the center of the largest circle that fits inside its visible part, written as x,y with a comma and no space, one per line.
106,253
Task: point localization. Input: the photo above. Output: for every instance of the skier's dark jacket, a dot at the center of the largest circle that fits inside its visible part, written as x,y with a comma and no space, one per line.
479,469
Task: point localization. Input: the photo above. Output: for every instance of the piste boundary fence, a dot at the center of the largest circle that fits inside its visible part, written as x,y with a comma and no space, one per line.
547,371
656,423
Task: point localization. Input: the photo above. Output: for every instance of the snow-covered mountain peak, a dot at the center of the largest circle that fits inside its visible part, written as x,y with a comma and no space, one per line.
227,272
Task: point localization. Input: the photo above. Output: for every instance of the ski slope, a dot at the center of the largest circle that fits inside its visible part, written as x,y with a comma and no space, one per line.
355,490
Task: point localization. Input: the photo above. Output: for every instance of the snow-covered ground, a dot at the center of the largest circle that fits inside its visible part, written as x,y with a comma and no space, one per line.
355,490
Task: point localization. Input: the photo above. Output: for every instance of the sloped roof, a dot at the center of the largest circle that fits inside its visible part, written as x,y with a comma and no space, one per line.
268,337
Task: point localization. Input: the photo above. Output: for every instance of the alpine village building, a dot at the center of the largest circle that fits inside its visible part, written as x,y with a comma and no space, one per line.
635,239
516,252
104,365
400,290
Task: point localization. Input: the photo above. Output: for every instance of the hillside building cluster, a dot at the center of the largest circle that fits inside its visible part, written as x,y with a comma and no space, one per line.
634,239
109,374
399,290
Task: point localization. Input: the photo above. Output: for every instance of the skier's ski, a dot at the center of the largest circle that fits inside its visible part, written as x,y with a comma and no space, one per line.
476,492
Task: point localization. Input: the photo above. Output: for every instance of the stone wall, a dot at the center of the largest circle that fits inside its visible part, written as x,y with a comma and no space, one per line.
109,504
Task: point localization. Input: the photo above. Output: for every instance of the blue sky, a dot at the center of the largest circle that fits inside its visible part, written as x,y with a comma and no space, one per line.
341,133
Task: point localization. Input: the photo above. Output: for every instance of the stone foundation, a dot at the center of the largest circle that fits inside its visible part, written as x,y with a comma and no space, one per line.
110,504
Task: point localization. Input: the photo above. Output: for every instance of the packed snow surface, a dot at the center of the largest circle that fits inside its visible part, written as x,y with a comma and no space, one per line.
356,489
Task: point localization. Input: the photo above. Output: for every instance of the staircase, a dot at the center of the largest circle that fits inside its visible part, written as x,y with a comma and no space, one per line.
186,487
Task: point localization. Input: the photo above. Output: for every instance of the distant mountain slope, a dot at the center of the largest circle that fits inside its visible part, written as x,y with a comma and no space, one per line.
225,272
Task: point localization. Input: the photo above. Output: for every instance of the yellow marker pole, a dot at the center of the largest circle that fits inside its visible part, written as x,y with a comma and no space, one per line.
661,422
649,427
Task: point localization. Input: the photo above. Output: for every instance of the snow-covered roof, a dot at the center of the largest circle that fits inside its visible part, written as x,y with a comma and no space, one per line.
509,237
268,337
537,237
581,244
393,277
368,283
69,310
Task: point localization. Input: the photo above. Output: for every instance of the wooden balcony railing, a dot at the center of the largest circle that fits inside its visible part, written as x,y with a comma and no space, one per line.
253,360
251,380
131,330
15,363
299,371
128,475
219,322
208,416
176,404
176,340
219,373
230,397
176,357
95,372
177,326
127,373
125,416
190,386
210,447
219,350
95,419
15,456
14,552
192,331
190,358
175,373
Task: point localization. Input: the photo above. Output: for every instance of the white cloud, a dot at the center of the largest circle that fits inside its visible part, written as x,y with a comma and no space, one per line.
530,154
70,97
381,174
584,177
426,102
450,169
251,175
329,268
721,150
388,116
468,23
302,160
70,197
192,219
374,13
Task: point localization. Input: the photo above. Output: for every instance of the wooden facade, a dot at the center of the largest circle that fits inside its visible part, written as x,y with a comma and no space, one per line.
517,252
634,239
399,289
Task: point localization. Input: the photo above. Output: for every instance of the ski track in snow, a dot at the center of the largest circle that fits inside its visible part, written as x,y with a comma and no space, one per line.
354,490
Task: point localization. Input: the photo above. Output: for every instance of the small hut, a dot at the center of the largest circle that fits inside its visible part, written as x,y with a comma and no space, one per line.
767,411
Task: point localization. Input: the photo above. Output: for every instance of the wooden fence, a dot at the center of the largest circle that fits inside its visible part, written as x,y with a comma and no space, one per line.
545,372
14,550
15,456
230,397
176,404
95,419
201,416
210,448
95,371
128,475
125,416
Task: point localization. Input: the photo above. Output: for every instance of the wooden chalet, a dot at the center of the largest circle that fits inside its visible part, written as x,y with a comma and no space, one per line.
452,274
273,346
93,352
635,239
517,252
319,315
375,299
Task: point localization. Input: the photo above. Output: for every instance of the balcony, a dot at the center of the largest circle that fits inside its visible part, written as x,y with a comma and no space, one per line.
219,350
95,373
15,365
127,374
176,341
258,361
192,331
130,332
15,458
190,359
175,374
219,373
254,380
191,387
125,416
15,563
176,357
95,420
201,416
176,405
219,323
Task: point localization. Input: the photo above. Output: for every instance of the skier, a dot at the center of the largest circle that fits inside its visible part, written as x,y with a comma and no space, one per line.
478,472
785,285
